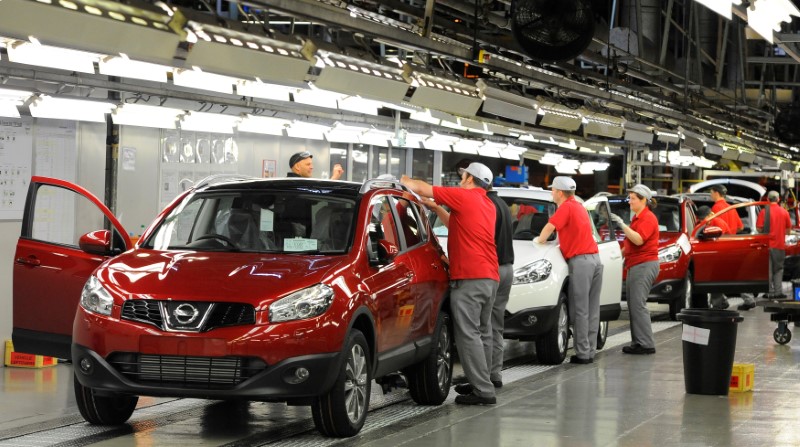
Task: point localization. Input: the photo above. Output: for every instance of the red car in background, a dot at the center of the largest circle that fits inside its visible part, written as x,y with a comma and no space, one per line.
693,262
290,290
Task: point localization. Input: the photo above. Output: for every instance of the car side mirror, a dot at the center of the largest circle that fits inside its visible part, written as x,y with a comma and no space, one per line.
96,242
711,232
387,251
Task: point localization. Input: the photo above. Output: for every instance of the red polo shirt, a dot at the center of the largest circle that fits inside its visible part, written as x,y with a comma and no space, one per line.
470,239
646,224
731,218
779,221
574,229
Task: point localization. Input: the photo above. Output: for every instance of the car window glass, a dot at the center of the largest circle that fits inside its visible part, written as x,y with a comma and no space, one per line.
437,225
409,222
260,221
61,216
603,226
381,224
668,215
528,216
422,216
689,217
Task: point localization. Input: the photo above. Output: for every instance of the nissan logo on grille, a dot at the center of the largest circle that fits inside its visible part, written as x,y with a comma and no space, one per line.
185,313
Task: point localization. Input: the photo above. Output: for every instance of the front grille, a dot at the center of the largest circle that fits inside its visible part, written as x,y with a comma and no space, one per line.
222,314
210,373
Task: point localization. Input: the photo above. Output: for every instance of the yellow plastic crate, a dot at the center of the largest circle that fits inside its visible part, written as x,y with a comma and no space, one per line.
742,377
19,359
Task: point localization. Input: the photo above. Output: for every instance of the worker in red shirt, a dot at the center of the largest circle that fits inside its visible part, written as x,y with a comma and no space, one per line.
780,224
474,272
718,193
579,248
704,211
640,249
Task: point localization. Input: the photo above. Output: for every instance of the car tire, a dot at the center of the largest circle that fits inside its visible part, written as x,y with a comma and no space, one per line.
105,409
602,334
429,380
684,301
341,411
551,348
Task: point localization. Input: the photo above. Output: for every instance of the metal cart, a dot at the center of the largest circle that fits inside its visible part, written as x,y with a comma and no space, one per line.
783,311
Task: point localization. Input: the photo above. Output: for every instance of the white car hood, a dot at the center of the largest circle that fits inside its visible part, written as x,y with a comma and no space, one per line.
526,252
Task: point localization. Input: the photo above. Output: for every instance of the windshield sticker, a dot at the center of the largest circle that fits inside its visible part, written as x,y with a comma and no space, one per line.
267,220
299,244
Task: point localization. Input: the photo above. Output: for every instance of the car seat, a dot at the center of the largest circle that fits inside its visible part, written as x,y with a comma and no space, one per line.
240,226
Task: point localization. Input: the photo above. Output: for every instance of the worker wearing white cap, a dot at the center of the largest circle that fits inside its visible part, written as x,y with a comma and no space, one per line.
474,273
775,220
580,250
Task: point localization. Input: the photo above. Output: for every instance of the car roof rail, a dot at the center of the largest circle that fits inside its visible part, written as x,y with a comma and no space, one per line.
384,181
214,179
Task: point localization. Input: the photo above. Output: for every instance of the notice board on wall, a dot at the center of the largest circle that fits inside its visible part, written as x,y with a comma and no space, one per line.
16,158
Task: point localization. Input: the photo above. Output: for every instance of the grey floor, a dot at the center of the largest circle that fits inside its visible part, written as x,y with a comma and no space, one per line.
620,400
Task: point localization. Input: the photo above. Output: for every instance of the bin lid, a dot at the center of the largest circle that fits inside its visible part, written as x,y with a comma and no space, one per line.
709,316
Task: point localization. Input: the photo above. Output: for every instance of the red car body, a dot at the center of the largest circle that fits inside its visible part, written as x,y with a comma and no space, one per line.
201,319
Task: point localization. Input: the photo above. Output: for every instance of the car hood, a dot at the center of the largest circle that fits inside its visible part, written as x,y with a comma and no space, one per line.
234,277
526,252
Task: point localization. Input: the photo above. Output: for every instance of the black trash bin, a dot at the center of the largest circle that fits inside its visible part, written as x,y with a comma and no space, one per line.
709,343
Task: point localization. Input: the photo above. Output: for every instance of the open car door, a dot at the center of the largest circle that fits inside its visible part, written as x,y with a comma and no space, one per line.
50,265
730,263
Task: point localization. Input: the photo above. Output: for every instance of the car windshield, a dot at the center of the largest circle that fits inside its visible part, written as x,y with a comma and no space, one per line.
258,221
668,213
529,216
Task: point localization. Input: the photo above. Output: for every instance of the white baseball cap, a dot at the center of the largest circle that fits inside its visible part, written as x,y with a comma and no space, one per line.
563,183
479,171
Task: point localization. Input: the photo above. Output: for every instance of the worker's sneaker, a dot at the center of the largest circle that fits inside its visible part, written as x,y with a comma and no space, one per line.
638,349
747,305
464,388
474,399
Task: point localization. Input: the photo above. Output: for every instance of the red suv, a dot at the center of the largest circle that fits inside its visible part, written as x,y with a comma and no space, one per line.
693,261
294,290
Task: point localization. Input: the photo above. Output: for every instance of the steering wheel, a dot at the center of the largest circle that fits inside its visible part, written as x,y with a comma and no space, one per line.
220,237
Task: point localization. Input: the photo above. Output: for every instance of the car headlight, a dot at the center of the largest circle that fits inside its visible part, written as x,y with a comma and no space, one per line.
95,298
791,239
669,254
306,303
536,271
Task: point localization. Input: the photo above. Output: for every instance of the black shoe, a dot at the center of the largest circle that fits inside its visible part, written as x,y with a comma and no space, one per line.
781,296
474,399
497,383
580,361
721,306
464,388
746,306
638,350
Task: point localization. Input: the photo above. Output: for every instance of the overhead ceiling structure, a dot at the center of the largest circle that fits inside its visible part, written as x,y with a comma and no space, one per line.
652,67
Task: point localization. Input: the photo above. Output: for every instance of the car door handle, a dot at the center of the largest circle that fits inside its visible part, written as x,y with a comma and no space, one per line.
758,245
32,261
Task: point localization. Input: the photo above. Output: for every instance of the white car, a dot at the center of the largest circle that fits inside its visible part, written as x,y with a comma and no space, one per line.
537,307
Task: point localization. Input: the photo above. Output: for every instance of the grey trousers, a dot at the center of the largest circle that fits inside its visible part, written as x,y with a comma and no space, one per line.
776,258
471,302
637,288
498,320
585,281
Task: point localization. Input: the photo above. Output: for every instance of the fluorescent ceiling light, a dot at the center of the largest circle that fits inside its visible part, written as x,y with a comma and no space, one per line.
667,137
377,137
97,26
52,57
512,152
233,53
360,105
146,116
263,90
765,16
265,125
204,81
557,116
445,95
603,125
342,133
10,99
209,122
412,140
318,98
551,158
490,149
564,169
125,68
453,123
354,76
310,131
440,142
721,7
432,116
466,146
70,109
474,126
506,104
